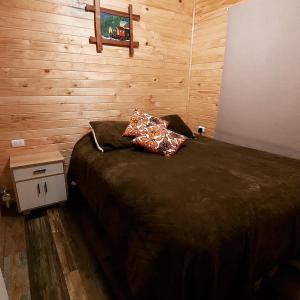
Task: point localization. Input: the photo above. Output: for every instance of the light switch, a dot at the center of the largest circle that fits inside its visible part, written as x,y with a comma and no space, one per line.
17,143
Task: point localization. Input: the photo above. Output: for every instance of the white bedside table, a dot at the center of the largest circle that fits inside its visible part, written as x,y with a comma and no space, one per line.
39,179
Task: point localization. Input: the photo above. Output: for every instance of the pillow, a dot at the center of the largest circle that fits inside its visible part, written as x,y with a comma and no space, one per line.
139,120
177,124
108,135
158,139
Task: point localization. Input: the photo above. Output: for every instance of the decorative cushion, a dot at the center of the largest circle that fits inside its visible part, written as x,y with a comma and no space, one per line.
108,135
158,139
139,120
177,124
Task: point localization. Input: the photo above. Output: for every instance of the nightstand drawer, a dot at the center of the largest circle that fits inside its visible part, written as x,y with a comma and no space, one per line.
38,171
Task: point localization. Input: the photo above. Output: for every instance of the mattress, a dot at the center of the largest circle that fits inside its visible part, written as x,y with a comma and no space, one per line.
203,224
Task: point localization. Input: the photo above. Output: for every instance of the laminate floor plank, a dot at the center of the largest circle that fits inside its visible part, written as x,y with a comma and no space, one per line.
16,278
75,253
61,240
15,241
13,254
71,273
54,262
46,277
59,265
75,286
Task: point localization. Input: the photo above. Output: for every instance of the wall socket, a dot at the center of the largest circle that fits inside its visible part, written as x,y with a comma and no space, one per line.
201,129
17,143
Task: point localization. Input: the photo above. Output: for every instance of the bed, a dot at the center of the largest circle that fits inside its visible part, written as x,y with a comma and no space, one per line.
204,224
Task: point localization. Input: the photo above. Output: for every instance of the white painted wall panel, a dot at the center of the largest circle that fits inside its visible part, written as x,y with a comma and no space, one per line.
260,96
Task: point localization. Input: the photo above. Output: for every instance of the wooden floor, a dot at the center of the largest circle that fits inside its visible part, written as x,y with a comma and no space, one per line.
13,257
44,256
47,250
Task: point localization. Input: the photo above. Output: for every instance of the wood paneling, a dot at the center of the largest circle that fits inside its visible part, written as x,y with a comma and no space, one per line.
52,82
210,27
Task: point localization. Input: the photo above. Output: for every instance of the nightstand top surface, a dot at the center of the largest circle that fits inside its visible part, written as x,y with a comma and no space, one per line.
35,159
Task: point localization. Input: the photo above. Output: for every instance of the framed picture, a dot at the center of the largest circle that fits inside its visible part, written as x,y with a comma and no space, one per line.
115,27
112,27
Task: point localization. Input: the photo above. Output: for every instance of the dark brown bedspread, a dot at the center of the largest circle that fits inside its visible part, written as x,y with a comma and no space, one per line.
204,224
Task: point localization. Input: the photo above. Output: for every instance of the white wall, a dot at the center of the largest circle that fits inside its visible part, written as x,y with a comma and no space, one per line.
260,97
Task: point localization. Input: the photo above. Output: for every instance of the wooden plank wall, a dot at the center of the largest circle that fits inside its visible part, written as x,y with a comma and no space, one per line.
52,82
210,27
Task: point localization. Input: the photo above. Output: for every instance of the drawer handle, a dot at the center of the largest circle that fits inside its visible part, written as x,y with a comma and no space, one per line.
38,189
39,171
45,187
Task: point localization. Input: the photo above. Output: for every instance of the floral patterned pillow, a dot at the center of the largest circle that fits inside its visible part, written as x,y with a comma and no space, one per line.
139,120
158,139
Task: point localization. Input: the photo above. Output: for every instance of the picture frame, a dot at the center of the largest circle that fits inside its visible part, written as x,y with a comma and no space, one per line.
113,27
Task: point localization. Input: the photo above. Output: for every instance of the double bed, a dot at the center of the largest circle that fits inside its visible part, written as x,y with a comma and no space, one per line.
203,224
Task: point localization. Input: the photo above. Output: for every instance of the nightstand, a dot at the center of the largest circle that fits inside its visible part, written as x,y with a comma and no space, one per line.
38,179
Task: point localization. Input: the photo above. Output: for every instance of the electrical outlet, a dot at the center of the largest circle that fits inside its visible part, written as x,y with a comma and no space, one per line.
201,129
17,143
